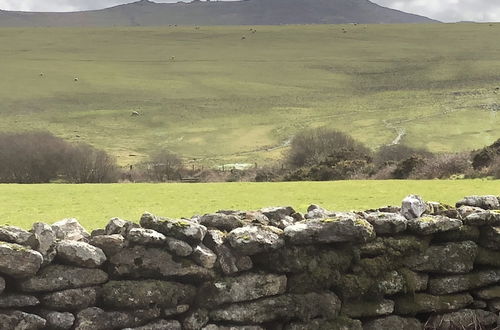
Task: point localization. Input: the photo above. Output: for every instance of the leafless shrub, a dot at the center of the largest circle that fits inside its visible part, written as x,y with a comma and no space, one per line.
86,164
443,166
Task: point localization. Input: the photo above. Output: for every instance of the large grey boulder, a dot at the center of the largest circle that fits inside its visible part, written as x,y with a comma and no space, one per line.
454,258
344,228
285,307
241,288
18,261
386,223
109,244
45,241
61,277
413,206
70,229
488,202
80,254
458,283
367,308
463,319
393,322
159,325
221,221
71,299
15,300
117,226
204,257
250,240
144,262
431,224
146,237
94,318
184,230
58,320
142,294
16,235
419,303
16,320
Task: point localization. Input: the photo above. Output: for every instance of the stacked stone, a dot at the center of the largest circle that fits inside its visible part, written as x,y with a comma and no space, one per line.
423,263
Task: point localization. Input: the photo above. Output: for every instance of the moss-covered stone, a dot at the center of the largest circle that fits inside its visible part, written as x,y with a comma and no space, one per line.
367,308
464,233
340,323
458,283
426,303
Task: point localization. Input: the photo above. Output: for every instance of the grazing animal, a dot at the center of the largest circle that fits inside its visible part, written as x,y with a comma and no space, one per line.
172,58
243,38
135,114
41,74
75,79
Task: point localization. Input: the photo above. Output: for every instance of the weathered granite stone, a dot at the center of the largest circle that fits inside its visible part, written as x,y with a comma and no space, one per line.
195,320
463,319
386,223
464,233
16,235
286,307
437,208
58,320
227,260
232,327
159,325
457,283
488,202
488,257
340,323
317,212
174,311
398,246
16,320
142,262
15,300
392,283
478,304
393,322
484,218
94,318
414,282
184,230
250,240
221,221
204,257
178,247
451,258
61,277
45,241
71,300
117,226
494,305
277,213
488,293
345,228
146,237
70,229
431,224
413,206
143,294
241,288
465,210
425,303
490,237
18,261
109,244
367,308
80,254
2,285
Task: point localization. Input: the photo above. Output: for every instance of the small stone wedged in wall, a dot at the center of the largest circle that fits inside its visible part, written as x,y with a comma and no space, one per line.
483,218
57,320
109,244
146,237
250,240
181,229
431,224
413,206
394,322
490,237
340,323
195,319
221,221
45,238
70,229
19,261
16,235
368,308
488,202
458,283
71,300
13,320
94,318
419,303
117,226
79,254
15,300
386,223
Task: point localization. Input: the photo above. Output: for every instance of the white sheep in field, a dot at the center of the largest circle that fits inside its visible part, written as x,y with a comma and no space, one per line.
76,79
41,74
135,114
172,58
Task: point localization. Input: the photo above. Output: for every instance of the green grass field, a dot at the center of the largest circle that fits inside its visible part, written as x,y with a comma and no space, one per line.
227,100
94,205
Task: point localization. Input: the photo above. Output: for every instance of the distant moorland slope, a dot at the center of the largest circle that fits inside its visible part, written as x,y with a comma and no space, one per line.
248,12
209,95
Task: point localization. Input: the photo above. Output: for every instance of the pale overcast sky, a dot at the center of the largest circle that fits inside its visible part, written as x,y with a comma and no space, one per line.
444,10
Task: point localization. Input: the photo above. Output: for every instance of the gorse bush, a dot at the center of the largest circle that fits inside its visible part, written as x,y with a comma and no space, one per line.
40,157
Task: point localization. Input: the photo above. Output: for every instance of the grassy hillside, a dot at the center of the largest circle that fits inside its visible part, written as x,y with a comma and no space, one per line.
224,99
94,205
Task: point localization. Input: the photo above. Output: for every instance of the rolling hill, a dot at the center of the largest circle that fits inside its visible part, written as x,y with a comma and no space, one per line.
247,12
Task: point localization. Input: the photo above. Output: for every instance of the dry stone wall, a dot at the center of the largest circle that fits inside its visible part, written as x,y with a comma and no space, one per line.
421,265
